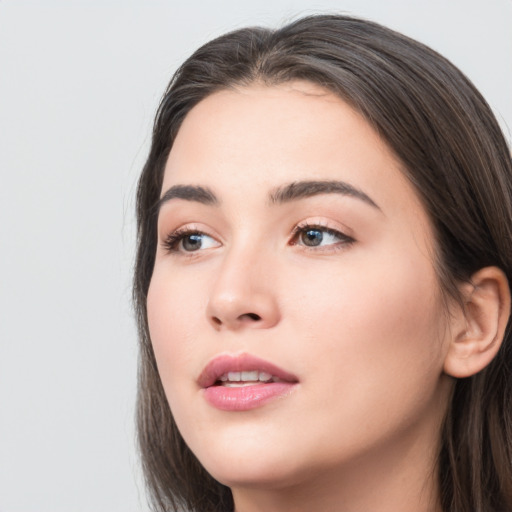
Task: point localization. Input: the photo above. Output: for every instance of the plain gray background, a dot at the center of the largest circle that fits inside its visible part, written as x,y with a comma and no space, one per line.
79,85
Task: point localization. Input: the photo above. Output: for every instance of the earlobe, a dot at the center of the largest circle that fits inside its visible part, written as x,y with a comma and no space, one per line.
478,328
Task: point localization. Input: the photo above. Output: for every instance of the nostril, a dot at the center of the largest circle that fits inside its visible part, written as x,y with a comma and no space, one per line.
252,316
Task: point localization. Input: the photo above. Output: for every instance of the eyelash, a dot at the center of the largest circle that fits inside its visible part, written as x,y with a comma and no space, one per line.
345,240
173,240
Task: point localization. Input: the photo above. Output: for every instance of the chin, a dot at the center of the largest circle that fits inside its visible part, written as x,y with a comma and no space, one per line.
256,473
256,461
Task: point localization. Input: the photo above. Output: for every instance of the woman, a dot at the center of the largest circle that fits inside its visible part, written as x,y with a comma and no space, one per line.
322,279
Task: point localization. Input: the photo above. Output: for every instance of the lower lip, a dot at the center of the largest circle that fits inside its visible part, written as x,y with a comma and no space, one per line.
246,398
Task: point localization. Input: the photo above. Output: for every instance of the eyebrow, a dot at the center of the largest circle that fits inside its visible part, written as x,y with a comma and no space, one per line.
195,193
283,194
304,189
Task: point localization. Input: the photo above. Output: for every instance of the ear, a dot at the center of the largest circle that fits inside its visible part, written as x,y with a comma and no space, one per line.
478,328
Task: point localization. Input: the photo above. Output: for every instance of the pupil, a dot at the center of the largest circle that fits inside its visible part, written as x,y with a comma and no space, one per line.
312,237
192,242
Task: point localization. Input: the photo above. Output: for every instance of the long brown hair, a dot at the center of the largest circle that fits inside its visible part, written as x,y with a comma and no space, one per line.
455,155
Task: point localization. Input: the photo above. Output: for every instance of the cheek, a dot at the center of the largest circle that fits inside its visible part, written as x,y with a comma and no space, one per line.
378,326
366,293
372,350
174,316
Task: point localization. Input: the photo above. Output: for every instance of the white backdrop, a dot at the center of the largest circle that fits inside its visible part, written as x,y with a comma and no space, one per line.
79,84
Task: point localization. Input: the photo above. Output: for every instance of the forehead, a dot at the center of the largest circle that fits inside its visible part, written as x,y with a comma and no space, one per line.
252,139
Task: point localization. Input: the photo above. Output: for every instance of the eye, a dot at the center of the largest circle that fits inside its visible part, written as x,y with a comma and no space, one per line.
189,241
319,236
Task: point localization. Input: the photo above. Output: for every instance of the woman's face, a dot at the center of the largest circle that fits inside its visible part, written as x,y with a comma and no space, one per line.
294,309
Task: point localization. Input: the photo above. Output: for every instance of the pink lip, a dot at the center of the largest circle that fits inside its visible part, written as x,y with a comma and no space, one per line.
247,397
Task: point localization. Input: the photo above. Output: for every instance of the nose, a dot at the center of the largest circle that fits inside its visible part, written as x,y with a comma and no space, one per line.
243,296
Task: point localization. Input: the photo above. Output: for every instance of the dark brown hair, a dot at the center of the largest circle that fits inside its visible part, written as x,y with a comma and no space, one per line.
453,152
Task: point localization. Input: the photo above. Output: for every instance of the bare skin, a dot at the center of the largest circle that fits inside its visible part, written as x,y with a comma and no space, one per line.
335,286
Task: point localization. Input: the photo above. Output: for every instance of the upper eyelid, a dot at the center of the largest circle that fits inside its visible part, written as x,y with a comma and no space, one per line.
191,228
174,236
323,225
344,235
330,231
172,244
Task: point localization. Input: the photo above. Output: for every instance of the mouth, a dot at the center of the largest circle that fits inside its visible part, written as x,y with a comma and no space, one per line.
245,378
243,382
242,370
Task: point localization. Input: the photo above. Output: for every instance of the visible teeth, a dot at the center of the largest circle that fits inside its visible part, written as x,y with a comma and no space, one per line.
246,377
249,376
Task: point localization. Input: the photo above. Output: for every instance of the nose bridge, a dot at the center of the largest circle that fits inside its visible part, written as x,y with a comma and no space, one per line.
242,294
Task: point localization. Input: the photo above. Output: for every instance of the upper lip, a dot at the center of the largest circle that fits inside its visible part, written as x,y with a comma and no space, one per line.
225,363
